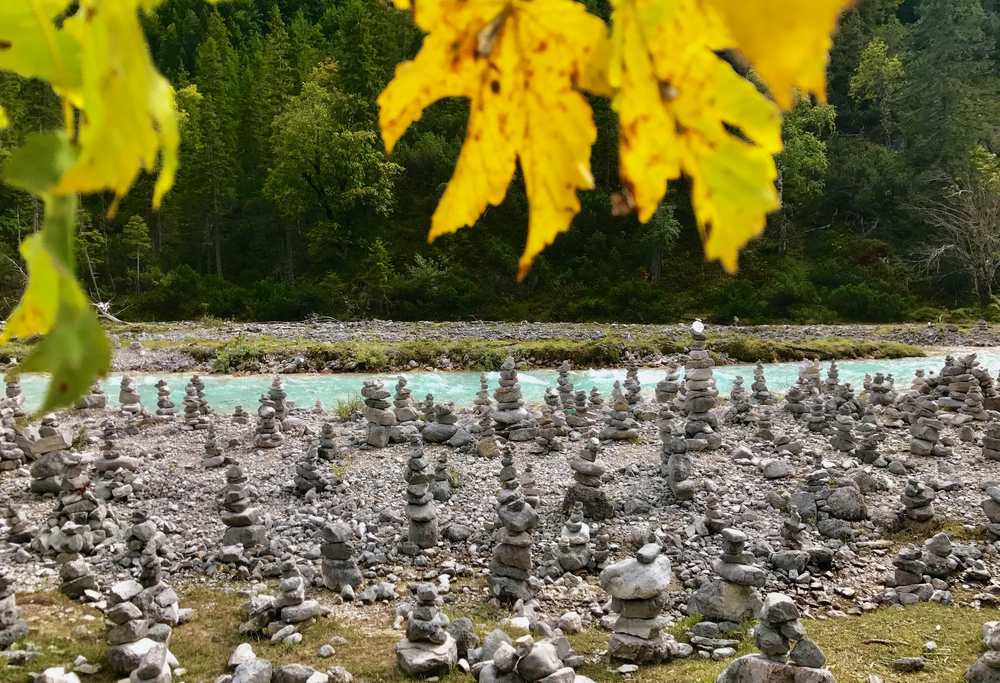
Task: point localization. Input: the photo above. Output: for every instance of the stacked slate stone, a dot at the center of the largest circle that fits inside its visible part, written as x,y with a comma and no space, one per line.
843,440
991,439
94,399
11,455
918,501
483,401
596,400
291,606
733,596
12,626
76,577
792,528
199,389
532,494
761,394
142,539
339,566
880,393
131,640
809,376
667,388
402,402
586,488
441,486
739,404
954,381
675,463
117,474
579,418
700,428
551,399
328,451
428,649
637,587
14,394
213,456
925,430
19,528
986,669
47,470
565,386
194,418
158,601
243,520
377,411
164,406
919,382
240,416
832,380
443,424
870,436
309,476
420,508
486,444
427,408
621,425
128,397
795,401
268,430
277,395
511,564
633,388
973,406
765,428
512,418
547,440
787,654
574,542
80,521
816,421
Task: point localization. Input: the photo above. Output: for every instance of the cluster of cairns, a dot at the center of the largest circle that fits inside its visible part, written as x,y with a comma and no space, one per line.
381,418
511,565
279,617
700,394
586,488
921,572
80,521
512,419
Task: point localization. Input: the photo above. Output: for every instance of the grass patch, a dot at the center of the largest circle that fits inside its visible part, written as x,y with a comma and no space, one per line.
345,408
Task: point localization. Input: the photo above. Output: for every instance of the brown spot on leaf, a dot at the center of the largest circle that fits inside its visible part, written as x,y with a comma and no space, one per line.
6,45
495,87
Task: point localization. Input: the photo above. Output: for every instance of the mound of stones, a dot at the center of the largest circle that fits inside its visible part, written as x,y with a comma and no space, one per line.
731,598
378,411
338,567
524,660
511,417
428,649
586,488
280,616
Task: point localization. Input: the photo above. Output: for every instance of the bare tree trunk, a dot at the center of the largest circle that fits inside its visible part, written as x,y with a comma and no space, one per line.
218,252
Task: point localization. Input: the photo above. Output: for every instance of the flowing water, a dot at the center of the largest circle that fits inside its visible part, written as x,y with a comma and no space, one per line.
225,392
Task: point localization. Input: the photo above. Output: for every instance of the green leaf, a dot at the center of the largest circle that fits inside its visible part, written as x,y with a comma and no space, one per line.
39,163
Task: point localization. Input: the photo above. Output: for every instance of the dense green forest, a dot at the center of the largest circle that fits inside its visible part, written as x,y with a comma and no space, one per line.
286,205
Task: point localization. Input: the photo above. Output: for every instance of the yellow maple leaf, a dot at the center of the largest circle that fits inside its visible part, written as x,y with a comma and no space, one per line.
129,118
786,41
4,121
684,111
521,64
32,45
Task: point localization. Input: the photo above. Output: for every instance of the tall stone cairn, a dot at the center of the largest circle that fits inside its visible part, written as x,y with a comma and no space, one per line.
486,445
586,488
421,510
621,426
565,386
193,417
795,401
14,394
164,406
199,390
339,566
483,402
128,397
276,393
579,418
11,455
637,587
12,626
511,417
243,520
267,433
667,388
633,387
991,439
402,402
428,649
702,423
761,394
675,463
377,411
511,565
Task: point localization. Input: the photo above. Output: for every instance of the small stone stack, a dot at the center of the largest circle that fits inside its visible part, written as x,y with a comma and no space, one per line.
11,455
377,411
47,471
739,404
809,376
277,395
402,402
511,565
158,600
291,606
141,539
199,390
240,416
420,508
815,420
19,528
832,380
512,418
213,456
986,669
243,520
128,397
443,424
925,431
14,394
586,488
193,417
339,566
428,649
76,577
579,418
675,463
732,597
700,428
991,440
633,388
596,400
991,508
973,406
918,501
565,386
128,629
870,437
547,441
574,542
792,528
637,587
765,428
94,399
268,430
486,444
787,654
117,475
164,406
880,392
308,476
843,440
483,401
441,487
795,402
667,388
761,394
621,425
12,626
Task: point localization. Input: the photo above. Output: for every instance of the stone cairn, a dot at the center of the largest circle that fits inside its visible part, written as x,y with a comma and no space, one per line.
843,440
765,427
973,406
420,508
486,444
739,404
80,521
733,596
164,406
832,380
267,433
141,539
637,587
94,399
786,653
986,669
483,402
675,463
919,570
118,475
527,661
586,488
761,394
327,451
12,626
880,393
816,421
20,530
621,425
511,565
596,400
870,436
243,520
700,428
443,424
991,508
76,577
918,501
240,416
199,390
277,395
279,617
339,566
513,419
128,397
579,418
193,417
441,486
565,386
547,441
925,430
52,458
11,455
308,476
574,542
667,388
551,399
402,402
14,394
532,494
809,376
633,388
428,649
213,457
380,418
131,635
795,401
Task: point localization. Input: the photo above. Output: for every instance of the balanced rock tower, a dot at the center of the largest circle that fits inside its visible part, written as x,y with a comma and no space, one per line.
702,423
